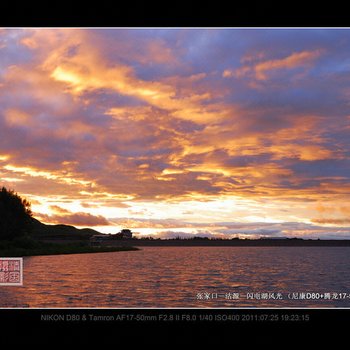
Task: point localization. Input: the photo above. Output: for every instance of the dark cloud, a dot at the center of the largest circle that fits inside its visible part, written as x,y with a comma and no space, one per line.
153,223
261,230
64,216
77,219
333,221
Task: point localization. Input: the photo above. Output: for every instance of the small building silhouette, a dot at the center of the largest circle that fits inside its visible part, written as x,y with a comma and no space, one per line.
126,233
96,240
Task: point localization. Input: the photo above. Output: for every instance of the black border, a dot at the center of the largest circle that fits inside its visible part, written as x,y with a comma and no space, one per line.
104,13
152,326
25,326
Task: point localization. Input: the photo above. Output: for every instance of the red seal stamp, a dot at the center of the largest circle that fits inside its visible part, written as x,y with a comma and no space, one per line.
11,271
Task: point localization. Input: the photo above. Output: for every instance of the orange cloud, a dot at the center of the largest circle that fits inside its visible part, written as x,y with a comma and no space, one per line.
296,59
4,157
302,152
59,176
158,52
58,210
227,73
332,221
335,209
333,212
86,70
29,42
260,70
17,117
63,216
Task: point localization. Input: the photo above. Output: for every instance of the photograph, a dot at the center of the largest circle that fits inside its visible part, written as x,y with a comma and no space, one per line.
174,174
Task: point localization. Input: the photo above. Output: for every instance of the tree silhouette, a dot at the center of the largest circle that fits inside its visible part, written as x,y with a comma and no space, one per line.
15,214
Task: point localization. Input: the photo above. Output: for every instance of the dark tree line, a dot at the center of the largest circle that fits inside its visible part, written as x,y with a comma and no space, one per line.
15,214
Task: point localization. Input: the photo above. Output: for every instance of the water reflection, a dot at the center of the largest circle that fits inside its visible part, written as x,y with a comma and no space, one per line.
176,276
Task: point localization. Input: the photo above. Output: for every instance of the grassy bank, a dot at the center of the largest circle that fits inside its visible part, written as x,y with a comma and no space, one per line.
25,246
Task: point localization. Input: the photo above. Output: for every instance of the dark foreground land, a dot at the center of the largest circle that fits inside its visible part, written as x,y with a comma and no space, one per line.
10,250
13,249
55,240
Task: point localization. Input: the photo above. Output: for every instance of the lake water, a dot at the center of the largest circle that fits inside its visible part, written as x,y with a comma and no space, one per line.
186,277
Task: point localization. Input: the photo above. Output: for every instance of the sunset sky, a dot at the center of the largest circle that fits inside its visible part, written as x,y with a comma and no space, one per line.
177,132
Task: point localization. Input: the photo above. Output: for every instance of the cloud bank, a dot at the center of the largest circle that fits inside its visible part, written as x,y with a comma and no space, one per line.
171,116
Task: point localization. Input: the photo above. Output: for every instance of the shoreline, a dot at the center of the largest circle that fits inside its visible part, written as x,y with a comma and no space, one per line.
227,243
66,247
62,250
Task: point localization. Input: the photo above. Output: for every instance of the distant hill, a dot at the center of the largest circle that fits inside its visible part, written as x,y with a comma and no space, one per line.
59,232
17,221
